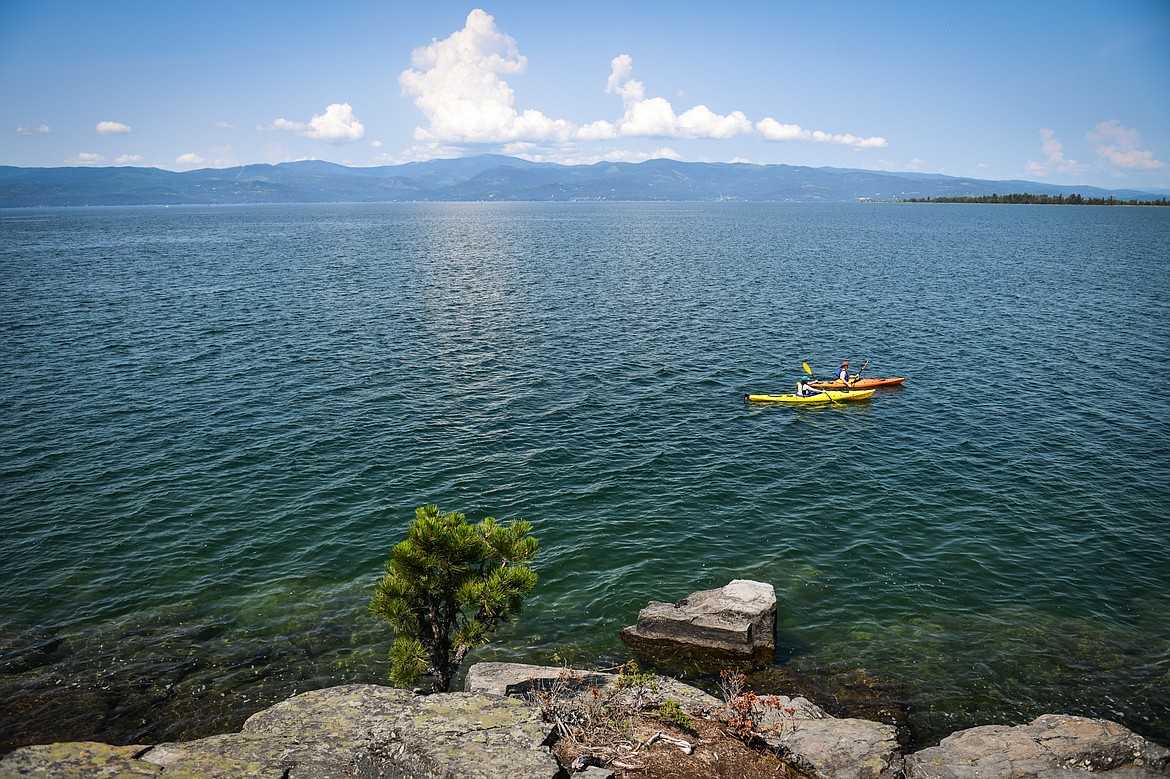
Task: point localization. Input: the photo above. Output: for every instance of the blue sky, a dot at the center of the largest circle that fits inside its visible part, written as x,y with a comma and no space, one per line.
1061,92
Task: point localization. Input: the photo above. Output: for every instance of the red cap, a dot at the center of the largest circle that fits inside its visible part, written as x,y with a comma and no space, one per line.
845,363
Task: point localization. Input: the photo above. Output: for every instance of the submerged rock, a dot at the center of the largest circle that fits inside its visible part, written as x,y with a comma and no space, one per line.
735,622
845,692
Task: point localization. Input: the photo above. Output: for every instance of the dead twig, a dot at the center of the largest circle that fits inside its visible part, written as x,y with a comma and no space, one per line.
626,766
682,744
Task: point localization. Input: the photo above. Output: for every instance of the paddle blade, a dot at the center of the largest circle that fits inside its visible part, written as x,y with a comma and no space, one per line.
807,369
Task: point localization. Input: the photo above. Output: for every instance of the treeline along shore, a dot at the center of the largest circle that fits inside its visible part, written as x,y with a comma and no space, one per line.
1045,200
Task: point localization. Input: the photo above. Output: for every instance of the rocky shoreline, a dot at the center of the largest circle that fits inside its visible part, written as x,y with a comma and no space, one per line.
507,723
493,729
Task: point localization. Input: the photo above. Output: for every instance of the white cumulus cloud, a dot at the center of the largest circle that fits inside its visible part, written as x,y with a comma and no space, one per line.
42,129
1118,146
190,158
336,126
533,152
128,159
1054,160
656,117
778,131
458,84
600,130
87,158
112,128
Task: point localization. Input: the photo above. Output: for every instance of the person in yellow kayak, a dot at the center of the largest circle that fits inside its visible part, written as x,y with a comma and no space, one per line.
843,374
804,388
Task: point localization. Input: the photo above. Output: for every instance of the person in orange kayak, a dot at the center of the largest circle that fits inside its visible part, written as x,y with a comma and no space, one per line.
804,388
843,374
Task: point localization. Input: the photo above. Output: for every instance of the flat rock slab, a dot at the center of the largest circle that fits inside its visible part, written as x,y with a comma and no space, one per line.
519,679
82,759
1050,747
735,622
805,736
345,732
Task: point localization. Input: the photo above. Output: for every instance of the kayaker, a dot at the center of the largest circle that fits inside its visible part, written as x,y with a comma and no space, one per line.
804,389
843,374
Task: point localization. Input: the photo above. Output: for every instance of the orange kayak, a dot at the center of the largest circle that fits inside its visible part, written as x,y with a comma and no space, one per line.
859,384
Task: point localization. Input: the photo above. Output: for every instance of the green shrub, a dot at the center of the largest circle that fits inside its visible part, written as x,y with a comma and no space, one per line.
670,711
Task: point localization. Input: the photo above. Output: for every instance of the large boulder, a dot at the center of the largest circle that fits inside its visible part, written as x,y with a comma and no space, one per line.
344,732
736,622
1052,746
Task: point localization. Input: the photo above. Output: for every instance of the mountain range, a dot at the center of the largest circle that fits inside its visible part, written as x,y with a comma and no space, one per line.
491,177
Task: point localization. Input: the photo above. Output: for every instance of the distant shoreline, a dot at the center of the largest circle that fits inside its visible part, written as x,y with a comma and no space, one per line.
1044,200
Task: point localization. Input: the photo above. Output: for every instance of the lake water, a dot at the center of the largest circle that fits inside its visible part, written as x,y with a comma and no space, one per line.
215,422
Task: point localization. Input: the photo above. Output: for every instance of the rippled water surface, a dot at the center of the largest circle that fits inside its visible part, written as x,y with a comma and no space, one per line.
216,421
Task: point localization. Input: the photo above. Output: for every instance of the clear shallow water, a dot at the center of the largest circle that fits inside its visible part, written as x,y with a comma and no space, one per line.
216,421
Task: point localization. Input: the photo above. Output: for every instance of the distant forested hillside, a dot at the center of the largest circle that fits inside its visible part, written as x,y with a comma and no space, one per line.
498,178
1054,200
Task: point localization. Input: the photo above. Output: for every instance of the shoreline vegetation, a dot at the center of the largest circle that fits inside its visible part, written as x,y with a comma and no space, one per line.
1044,200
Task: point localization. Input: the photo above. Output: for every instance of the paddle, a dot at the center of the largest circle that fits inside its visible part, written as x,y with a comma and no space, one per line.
808,370
849,384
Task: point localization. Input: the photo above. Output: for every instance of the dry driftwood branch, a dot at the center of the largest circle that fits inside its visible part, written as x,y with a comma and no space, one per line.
626,766
682,744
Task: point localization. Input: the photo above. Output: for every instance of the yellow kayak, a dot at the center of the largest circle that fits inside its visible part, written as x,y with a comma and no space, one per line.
829,396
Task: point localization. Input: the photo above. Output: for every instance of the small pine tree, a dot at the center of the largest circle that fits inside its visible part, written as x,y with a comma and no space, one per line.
447,587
